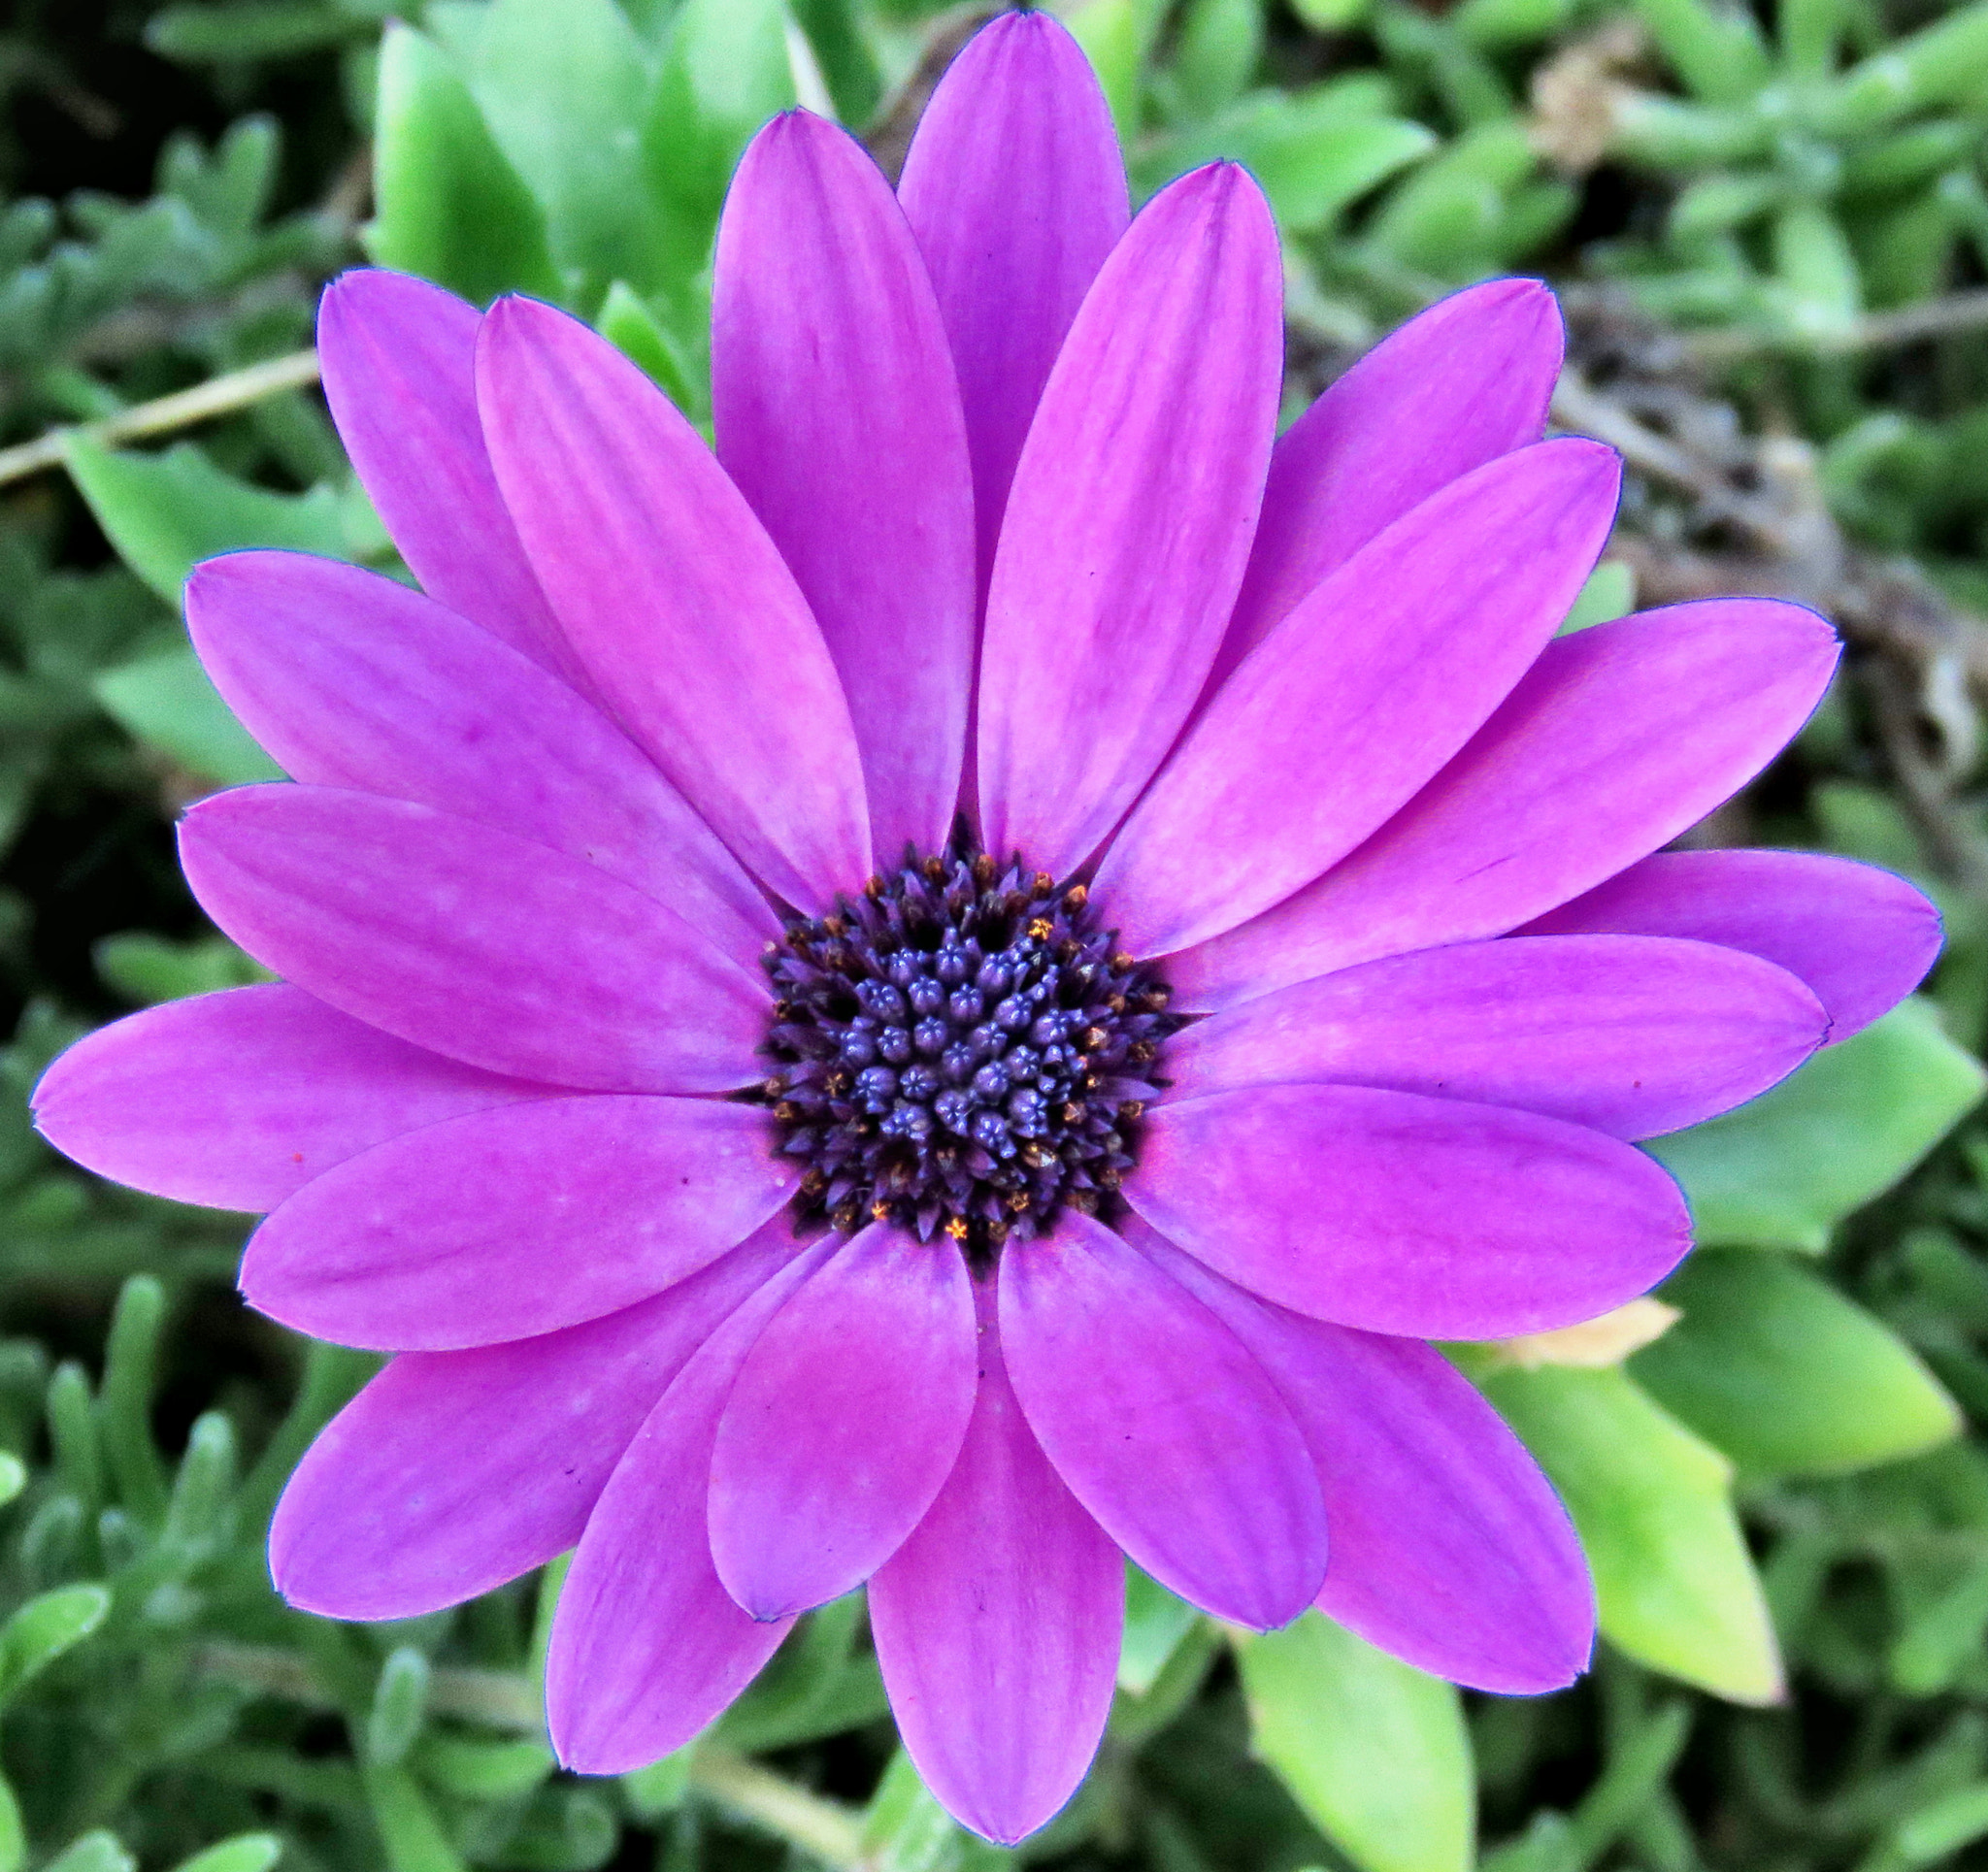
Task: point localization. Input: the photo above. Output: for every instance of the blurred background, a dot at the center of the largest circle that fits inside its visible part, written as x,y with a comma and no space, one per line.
1770,228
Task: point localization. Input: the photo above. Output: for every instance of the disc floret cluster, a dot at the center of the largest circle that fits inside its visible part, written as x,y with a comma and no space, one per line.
961,1047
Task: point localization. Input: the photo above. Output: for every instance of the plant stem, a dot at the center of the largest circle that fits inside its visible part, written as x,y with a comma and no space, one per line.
825,1829
216,397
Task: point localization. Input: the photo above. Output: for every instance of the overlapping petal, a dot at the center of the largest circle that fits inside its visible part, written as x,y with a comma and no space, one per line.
1162,1424
1129,518
646,1645
399,363
838,416
1616,740
675,600
1632,1036
237,1098
351,680
1405,1214
1861,938
844,1423
1449,1549
1457,386
1016,190
1368,686
454,1471
997,1622
471,942
516,1221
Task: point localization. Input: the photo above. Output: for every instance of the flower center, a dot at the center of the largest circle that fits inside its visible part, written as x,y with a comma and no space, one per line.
960,1049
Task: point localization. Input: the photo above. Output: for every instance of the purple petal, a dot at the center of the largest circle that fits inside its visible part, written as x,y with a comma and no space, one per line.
454,1471
1162,1424
1130,519
1403,1214
516,1221
647,1647
1616,740
997,1622
399,361
1367,687
466,939
844,1424
237,1098
675,600
1457,386
1861,938
352,680
1449,1549
1017,192
1632,1036
838,417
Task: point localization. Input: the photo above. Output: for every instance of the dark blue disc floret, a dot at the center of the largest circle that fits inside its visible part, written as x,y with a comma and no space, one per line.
961,1048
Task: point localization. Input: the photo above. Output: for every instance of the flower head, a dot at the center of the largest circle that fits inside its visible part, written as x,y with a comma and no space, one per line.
951,992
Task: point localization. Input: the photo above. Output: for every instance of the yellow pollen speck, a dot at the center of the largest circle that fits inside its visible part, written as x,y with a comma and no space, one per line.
880,1211
957,1228
1018,1201
1040,928
1076,897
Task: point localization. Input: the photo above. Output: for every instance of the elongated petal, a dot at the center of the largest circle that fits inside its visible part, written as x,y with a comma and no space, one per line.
647,1647
352,680
838,417
516,1221
237,1098
675,600
844,1424
1616,739
1632,1036
1861,938
1163,1425
459,936
1016,190
399,361
1129,518
997,1623
1367,687
1449,1549
1405,1214
454,1471
1457,386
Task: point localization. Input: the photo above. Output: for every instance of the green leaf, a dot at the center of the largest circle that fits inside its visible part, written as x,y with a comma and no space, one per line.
905,1829
13,1833
634,330
1111,33
414,1837
149,969
1776,1368
400,1706
1374,1752
477,1770
168,701
13,1477
1781,1172
724,73
97,1852
659,1788
1155,1623
271,29
562,85
1651,1502
449,206
1216,53
39,1631
165,514
1314,153
1609,594
245,1852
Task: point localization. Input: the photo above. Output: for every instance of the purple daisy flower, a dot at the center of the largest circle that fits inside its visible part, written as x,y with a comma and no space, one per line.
952,993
